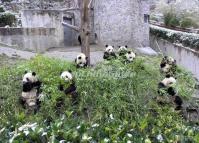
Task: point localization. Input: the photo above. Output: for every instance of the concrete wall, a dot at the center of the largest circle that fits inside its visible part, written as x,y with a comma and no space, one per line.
46,19
31,39
185,57
121,22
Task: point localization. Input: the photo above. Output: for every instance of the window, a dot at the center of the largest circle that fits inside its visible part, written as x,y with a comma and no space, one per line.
146,18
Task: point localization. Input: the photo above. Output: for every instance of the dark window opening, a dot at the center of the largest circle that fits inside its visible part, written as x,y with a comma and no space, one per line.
146,18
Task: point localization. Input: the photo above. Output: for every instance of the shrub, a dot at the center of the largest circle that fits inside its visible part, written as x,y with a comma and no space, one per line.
171,20
188,23
116,104
7,19
190,40
2,9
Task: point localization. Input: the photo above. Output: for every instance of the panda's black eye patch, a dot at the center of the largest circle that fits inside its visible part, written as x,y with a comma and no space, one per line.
129,52
79,58
27,79
162,65
66,76
80,63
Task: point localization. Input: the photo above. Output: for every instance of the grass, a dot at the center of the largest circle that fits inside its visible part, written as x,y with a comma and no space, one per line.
116,104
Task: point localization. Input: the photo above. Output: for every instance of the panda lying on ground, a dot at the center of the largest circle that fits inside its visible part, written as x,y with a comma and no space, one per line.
81,61
109,53
67,85
29,98
168,65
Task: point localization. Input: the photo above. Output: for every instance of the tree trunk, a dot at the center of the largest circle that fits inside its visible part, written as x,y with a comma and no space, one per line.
85,29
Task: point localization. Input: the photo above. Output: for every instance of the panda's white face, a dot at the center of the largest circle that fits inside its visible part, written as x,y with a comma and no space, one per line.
66,76
169,81
109,49
122,48
30,77
81,60
130,56
170,60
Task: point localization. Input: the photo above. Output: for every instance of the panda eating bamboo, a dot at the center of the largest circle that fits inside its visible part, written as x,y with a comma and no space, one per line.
31,92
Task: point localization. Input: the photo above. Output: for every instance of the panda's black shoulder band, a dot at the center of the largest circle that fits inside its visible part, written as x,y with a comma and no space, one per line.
161,85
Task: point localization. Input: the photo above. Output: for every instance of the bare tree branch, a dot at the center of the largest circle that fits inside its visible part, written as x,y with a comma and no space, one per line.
71,26
89,5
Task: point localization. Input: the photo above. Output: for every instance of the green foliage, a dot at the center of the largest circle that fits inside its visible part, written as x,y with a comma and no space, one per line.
188,23
115,104
186,39
2,9
7,19
171,20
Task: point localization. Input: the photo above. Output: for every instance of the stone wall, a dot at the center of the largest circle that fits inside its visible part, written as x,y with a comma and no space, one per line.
121,22
185,57
31,39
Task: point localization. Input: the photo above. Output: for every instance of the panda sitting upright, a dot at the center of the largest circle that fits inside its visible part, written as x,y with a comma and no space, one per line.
122,50
165,87
67,85
167,82
81,61
31,92
130,56
168,65
109,53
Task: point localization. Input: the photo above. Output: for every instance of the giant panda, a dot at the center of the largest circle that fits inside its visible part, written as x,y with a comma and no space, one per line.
122,50
29,98
109,53
177,100
81,61
167,82
68,86
168,65
163,86
130,56
166,87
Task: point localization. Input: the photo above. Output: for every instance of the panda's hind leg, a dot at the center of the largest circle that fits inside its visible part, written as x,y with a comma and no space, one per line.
75,97
22,102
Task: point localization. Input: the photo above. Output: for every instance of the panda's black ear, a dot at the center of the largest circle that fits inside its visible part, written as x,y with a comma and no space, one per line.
113,46
25,72
119,46
126,46
168,76
69,71
106,46
34,73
